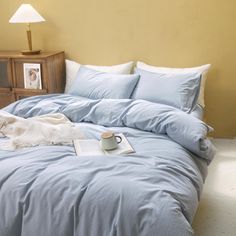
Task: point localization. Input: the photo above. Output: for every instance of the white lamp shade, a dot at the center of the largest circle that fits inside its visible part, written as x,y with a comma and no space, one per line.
26,14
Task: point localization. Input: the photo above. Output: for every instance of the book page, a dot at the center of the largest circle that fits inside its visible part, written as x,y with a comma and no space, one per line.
88,147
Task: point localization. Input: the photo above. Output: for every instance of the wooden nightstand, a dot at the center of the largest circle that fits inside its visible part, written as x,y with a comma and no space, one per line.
13,71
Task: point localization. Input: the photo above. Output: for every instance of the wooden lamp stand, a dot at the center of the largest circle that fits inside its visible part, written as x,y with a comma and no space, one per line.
29,37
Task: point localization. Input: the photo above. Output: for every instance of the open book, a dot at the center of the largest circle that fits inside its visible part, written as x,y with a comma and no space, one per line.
92,147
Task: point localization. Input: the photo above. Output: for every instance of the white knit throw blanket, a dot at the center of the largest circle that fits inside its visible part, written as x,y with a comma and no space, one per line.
50,129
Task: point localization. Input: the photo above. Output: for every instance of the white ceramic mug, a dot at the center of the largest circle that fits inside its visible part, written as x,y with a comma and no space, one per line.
109,140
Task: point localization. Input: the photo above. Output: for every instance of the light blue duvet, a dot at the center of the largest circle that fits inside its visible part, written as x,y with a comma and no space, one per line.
48,190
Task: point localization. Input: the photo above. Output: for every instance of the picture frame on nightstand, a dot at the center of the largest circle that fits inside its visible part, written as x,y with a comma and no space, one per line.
32,76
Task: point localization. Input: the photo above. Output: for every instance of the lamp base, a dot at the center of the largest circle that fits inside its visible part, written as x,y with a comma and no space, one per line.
30,52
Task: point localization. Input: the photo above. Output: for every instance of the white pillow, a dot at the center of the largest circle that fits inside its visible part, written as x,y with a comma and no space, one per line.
166,70
72,69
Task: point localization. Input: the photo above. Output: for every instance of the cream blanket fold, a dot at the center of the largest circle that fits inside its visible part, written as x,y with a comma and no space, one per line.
50,129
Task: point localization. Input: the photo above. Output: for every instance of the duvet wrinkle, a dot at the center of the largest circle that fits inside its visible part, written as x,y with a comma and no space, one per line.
76,208
7,177
194,180
29,189
181,206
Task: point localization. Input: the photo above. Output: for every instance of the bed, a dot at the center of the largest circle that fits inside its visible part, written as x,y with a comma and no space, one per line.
48,190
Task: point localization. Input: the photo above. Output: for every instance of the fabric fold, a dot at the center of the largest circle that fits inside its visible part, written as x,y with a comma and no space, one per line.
181,127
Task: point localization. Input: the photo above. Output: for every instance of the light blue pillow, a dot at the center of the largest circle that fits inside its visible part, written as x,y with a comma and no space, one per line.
179,91
97,85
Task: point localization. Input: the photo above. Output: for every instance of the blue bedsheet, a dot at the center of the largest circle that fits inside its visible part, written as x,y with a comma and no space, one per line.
48,190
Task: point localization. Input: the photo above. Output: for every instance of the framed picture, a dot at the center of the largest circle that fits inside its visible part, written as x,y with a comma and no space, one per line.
32,76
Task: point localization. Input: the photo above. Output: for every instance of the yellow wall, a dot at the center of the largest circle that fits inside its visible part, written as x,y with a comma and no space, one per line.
178,33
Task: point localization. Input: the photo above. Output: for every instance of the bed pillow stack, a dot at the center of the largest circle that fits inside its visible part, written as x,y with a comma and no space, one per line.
179,87
181,72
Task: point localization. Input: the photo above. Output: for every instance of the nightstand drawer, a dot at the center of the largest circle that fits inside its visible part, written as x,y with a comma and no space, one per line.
6,98
24,93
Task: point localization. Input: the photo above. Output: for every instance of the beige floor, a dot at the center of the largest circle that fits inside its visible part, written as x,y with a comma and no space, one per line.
216,215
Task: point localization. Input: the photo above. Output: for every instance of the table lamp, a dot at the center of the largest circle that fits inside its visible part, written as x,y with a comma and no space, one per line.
27,14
